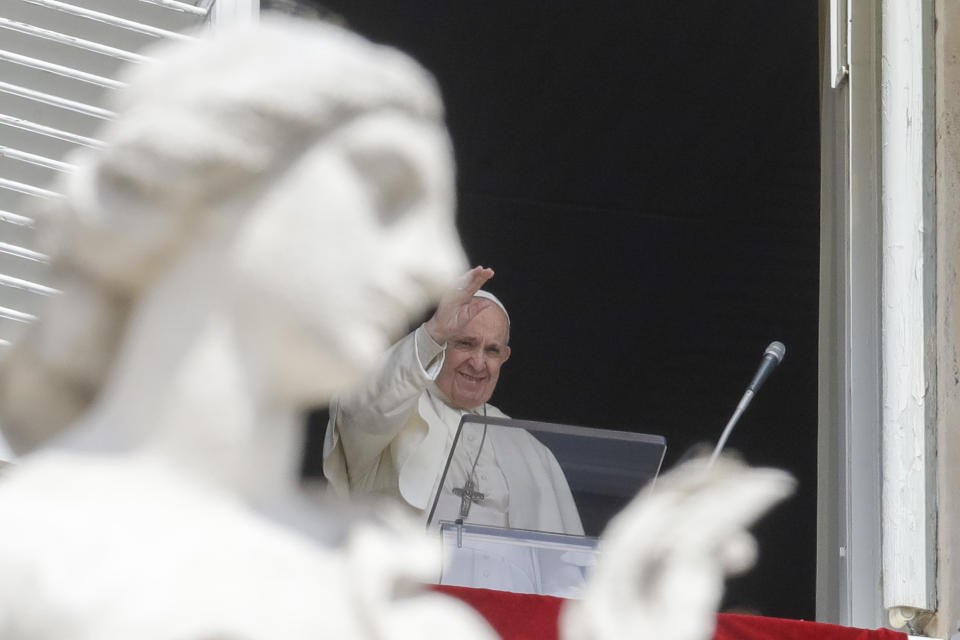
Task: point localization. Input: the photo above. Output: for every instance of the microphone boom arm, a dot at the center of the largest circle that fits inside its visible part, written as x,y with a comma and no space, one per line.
741,407
771,358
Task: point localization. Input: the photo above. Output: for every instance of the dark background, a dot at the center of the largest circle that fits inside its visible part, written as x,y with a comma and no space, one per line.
644,179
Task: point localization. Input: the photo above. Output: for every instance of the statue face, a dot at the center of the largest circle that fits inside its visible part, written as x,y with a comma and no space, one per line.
344,250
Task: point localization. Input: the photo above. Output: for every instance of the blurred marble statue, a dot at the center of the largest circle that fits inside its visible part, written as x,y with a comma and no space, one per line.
273,206
664,558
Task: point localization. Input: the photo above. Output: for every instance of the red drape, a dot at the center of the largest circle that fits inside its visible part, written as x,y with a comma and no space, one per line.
520,616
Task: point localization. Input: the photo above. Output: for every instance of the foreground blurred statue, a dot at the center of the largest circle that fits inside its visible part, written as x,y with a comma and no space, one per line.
664,558
273,206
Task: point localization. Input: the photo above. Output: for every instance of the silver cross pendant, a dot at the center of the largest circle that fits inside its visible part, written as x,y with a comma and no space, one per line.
468,495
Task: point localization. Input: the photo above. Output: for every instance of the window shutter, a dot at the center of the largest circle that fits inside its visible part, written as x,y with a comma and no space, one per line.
59,62
58,65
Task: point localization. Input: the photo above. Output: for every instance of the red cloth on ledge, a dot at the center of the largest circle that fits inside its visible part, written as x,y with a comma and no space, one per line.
521,616
739,627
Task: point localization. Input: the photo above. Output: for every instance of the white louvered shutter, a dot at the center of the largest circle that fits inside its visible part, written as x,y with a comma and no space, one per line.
58,64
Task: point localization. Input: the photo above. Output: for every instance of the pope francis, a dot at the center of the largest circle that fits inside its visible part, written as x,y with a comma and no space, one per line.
392,436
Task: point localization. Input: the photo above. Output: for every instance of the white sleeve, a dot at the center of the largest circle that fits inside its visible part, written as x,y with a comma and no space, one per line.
430,355
364,422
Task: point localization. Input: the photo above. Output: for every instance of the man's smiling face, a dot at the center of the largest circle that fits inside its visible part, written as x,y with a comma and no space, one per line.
473,360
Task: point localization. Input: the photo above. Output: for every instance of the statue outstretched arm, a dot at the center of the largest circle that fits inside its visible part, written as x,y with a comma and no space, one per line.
664,558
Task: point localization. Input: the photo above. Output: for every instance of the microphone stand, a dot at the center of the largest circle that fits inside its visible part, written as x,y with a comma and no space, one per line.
771,358
741,407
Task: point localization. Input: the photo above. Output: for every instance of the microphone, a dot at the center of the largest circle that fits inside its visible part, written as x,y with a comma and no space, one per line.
771,358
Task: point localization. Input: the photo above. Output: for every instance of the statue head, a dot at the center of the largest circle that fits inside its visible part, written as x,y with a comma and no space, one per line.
310,167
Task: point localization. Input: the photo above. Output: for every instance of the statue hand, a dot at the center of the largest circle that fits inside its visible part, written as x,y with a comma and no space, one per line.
666,555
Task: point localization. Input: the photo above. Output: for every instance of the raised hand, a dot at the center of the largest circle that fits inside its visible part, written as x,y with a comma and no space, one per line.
458,306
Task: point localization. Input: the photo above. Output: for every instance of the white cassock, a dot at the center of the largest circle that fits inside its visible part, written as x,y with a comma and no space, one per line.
393,437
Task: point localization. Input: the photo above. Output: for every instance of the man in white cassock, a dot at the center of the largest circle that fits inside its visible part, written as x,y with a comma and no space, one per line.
393,436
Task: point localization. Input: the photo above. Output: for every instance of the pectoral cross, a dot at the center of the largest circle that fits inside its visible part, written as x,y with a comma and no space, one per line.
468,495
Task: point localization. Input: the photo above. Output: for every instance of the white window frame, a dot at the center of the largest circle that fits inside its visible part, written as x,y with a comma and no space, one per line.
231,11
876,496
